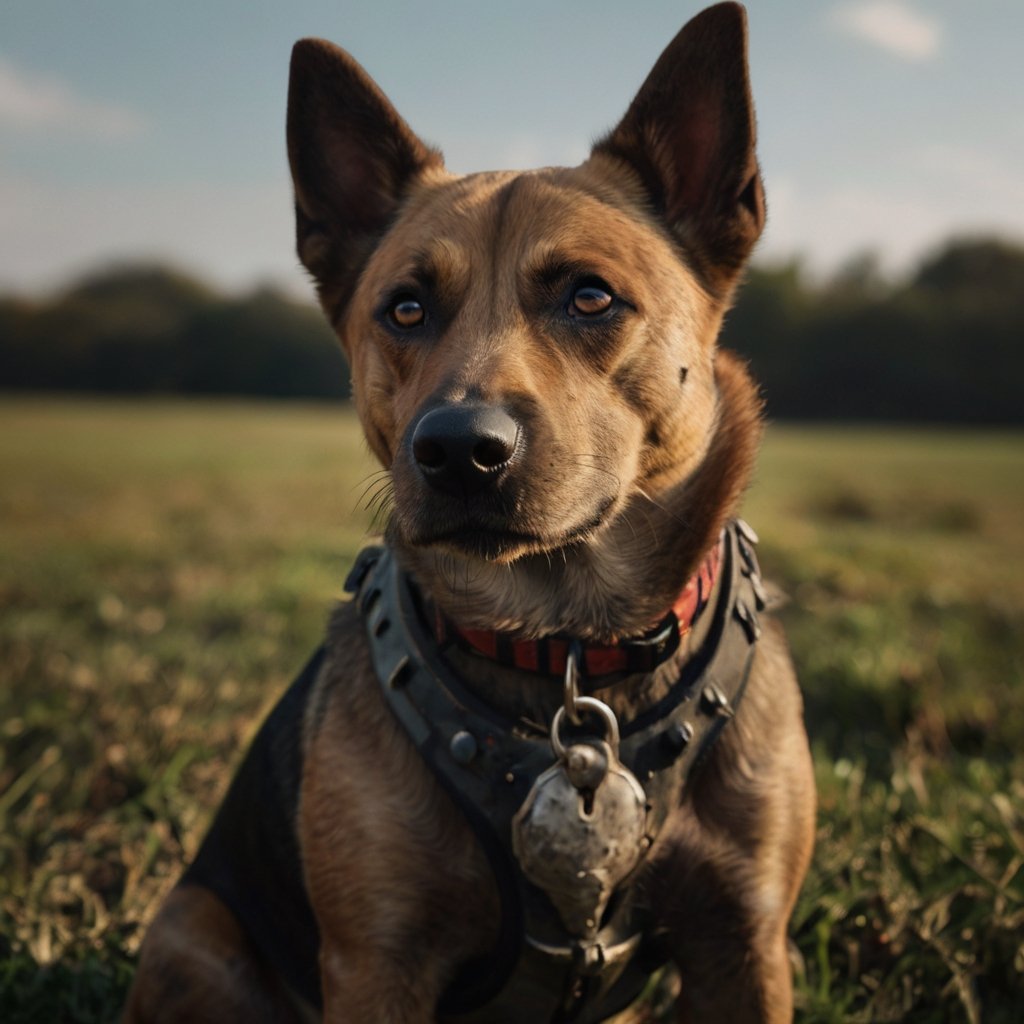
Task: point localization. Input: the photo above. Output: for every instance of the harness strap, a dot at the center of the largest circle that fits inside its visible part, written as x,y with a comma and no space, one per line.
488,765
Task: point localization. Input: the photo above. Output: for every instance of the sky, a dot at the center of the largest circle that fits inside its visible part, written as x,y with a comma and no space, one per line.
149,129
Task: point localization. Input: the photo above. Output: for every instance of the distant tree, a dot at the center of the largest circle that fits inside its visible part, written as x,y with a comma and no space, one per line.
857,281
987,269
263,344
969,304
152,329
139,290
16,355
767,326
945,345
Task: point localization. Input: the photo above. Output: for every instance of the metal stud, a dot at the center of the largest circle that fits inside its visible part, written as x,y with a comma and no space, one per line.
463,747
747,532
750,566
760,594
748,620
714,702
677,736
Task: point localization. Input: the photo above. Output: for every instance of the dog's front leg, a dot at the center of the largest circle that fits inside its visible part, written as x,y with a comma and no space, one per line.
739,853
361,985
747,984
380,959
400,890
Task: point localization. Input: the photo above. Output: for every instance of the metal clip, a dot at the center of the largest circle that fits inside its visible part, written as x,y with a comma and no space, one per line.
582,827
571,686
611,724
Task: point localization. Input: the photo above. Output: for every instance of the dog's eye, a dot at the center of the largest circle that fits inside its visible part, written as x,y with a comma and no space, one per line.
407,312
589,300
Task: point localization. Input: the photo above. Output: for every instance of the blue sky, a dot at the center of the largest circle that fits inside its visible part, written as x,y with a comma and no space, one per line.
155,129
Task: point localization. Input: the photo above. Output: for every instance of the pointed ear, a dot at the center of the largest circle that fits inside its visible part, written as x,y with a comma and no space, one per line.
690,135
353,159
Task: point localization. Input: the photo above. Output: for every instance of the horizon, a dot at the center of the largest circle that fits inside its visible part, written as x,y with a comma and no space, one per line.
303,291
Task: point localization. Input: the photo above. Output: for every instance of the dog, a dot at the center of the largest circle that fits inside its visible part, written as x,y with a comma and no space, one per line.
554,747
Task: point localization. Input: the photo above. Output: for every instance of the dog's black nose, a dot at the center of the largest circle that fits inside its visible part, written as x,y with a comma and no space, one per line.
462,448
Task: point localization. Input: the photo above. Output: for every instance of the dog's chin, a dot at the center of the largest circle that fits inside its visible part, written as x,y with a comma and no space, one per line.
486,545
505,546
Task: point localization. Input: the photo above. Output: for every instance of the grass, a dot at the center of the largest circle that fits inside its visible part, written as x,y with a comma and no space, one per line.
169,565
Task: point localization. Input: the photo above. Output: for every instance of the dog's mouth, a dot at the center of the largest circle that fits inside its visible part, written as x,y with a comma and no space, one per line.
494,482
496,542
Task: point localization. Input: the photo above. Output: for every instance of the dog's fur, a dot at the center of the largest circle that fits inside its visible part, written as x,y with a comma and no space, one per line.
635,438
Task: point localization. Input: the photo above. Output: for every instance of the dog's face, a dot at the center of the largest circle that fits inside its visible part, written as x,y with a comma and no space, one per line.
529,355
533,354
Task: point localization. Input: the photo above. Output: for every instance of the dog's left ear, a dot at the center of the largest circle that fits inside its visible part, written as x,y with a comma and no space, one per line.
353,161
690,135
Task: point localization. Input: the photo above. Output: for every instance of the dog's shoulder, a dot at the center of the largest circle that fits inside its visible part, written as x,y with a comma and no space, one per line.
346,677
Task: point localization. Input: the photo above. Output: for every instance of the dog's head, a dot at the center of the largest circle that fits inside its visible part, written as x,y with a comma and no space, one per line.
533,354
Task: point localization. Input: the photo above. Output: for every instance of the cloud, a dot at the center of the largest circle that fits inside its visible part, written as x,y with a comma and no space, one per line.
891,25
31,101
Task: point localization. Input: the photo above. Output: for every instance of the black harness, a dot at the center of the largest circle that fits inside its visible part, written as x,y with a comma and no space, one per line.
537,971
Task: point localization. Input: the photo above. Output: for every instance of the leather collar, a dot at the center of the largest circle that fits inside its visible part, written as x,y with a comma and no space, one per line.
548,655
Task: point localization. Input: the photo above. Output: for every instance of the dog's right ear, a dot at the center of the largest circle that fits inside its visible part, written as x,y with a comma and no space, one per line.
690,136
353,159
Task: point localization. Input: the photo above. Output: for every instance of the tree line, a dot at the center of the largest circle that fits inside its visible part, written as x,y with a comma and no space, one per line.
942,345
945,345
152,330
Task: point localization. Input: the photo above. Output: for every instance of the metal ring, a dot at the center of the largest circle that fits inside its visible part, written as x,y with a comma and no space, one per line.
599,707
571,687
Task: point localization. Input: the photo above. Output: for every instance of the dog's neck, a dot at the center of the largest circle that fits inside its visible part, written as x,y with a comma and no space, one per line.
623,581
533,697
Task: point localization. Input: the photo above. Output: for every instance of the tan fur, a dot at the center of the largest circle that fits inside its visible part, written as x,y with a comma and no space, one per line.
636,439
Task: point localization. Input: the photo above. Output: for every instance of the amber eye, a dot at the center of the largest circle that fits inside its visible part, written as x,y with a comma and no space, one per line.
407,312
589,300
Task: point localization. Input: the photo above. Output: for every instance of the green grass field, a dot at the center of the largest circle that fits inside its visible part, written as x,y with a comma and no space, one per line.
167,567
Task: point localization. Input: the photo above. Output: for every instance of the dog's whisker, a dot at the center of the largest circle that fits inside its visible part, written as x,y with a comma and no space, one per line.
678,519
377,487
383,492
381,501
597,469
369,482
381,509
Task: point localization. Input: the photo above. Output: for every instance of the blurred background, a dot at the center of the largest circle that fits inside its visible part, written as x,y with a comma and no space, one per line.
182,482
146,220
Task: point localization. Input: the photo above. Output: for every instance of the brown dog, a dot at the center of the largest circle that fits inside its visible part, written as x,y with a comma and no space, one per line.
534,362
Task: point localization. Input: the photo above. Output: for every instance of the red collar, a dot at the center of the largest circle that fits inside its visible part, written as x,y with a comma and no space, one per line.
548,655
